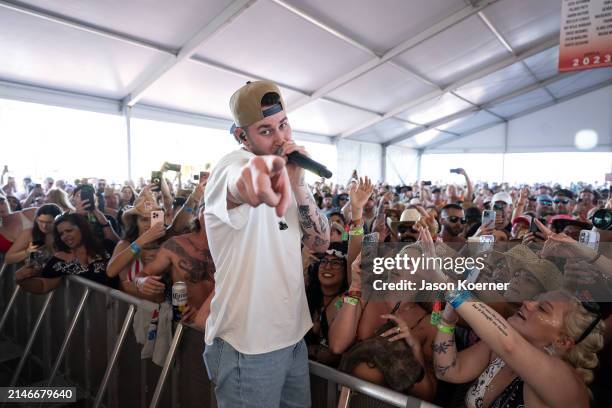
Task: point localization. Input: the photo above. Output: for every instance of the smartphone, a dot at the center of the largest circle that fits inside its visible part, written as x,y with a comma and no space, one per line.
5,169
533,227
37,185
87,193
427,183
157,217
196,177
156,177
590,238
488,217
173,167
456,171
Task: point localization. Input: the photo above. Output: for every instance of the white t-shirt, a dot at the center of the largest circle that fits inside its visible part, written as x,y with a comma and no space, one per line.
260,302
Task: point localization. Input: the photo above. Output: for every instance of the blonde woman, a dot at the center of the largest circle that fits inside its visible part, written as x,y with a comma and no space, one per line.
59,197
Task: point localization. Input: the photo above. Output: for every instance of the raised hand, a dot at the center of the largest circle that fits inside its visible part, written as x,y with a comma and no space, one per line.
360,192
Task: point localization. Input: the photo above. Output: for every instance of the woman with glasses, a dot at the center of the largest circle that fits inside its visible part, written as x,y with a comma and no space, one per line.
326,284
12,224
78,252
35,244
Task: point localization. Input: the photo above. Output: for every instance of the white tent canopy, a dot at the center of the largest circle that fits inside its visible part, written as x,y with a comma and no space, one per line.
440,75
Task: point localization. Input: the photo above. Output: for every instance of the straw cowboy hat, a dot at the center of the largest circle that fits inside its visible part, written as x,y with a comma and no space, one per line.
521,257
144,204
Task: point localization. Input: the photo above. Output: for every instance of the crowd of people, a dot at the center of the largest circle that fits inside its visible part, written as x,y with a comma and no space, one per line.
501,348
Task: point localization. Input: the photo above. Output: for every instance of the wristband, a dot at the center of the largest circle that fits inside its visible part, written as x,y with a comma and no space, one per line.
135,248
354,294
446,329
188,210
457,298
356,231
140,283
351,300
595,259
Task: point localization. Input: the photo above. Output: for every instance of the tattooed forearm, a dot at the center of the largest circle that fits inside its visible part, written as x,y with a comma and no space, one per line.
441,370
304,214
442,348
497,321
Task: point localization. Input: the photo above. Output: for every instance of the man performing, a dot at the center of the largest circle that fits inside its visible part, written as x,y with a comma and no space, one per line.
255,352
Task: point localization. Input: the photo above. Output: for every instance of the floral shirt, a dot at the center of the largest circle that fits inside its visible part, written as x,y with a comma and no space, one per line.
95,270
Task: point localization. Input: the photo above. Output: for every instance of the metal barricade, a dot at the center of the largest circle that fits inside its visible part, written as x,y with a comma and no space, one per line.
97,372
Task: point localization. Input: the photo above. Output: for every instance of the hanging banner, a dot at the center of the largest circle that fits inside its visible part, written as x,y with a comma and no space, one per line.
586,35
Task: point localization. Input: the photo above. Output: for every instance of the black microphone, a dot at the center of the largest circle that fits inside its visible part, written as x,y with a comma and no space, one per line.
307,163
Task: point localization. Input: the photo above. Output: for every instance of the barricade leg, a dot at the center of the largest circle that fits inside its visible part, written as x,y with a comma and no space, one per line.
344,400
9,306
73,323
115,354
166,368
26,351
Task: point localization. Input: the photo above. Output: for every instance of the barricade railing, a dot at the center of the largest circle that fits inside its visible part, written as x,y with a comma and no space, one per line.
346,384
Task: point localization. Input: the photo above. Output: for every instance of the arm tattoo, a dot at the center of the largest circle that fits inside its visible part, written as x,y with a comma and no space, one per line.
319,241
496,321
304,214
441,348
197,269
442,370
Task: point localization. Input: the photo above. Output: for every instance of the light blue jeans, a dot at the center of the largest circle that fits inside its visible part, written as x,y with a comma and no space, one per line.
276,379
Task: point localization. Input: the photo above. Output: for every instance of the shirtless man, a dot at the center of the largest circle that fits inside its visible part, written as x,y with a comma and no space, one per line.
187,258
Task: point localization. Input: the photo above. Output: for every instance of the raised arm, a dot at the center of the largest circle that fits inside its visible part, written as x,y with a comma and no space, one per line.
525,359
469,194
454,367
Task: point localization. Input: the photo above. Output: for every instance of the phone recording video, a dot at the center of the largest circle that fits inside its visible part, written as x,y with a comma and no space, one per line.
88,193
156,177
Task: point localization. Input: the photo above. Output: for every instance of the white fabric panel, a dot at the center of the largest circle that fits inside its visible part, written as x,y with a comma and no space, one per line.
270,41
327,118
554,128
522,103
365,157
488,140
383,131
582,80
162,22
469,123
502,82
545,64
198,88
382,89
523,23
380,26
35,51
401,165
434,109
452,54
480,167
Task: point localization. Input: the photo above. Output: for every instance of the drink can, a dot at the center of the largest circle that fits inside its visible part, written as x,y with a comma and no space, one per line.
179,300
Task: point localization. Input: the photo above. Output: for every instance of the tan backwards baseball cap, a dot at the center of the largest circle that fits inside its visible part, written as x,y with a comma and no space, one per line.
245,103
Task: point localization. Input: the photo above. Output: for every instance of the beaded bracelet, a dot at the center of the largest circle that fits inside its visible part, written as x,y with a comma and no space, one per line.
135,248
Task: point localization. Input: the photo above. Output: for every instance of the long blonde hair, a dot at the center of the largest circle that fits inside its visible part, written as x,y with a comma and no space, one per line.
583,356
59,197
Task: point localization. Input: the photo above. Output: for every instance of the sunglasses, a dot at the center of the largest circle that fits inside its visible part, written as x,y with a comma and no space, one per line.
602,219
334,263
532,199
558,200
546,203
454,219
498,206
592,308
402,229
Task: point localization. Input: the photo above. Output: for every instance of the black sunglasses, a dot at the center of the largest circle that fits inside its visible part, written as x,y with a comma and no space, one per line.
532,199
499,206
404,228
558,200
593,308
454,219
602,219
546,203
